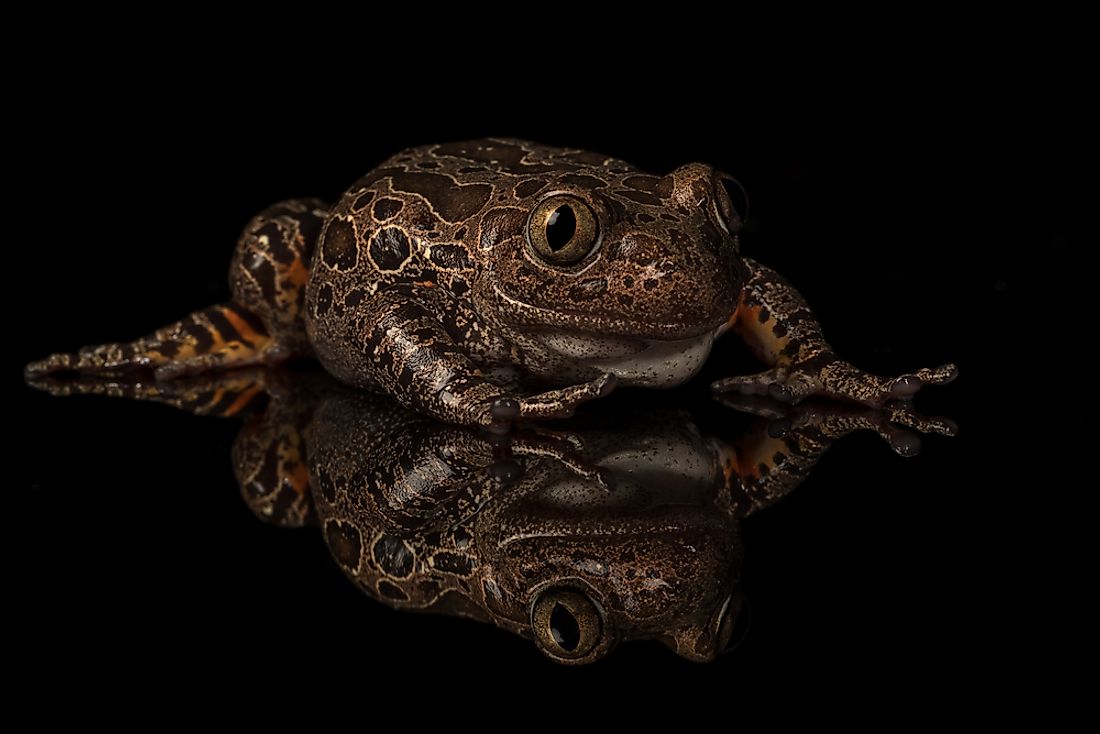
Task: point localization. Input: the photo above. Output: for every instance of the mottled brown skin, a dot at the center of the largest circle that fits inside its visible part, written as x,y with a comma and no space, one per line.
634,523
464,278
628,525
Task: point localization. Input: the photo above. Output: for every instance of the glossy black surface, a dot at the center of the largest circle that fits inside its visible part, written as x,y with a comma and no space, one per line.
909,233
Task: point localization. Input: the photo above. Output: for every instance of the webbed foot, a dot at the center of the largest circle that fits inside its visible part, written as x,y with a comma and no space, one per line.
897,422
828,376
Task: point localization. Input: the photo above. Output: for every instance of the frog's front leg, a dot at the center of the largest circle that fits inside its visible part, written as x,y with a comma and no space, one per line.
776,322
401,345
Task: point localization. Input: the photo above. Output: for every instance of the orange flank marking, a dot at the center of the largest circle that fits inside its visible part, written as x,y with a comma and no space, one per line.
732,320
299,478
242,400
747,315
298,273
730,465
425,283
760,335
242,326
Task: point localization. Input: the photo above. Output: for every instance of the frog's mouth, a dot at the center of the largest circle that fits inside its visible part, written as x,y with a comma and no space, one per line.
528,316
635,361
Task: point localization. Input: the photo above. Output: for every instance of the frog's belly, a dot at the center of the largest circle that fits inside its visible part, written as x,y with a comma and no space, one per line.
645,362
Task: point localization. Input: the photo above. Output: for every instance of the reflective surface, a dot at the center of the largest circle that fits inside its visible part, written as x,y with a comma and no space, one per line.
615,526
902,215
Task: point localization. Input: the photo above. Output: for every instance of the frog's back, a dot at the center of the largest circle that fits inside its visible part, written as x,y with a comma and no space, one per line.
416,218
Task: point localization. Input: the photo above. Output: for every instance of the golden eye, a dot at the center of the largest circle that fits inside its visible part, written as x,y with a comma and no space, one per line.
731,205
567,626
562,230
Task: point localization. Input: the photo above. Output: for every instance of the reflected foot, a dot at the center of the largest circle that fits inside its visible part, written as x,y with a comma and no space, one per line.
218,394
830,377
898,423
550,405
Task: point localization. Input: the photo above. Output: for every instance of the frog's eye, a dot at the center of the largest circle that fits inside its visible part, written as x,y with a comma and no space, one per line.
568,626
563,230
731,205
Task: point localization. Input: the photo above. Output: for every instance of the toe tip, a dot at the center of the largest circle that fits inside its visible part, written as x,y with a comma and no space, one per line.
905,387
949,427
906,444
504,409
44,367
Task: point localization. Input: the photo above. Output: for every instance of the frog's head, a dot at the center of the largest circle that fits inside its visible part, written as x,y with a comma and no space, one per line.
583,574
610,268
569,626
577,567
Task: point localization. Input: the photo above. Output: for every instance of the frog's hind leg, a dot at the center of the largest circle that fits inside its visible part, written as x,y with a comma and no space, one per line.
262,324
226,335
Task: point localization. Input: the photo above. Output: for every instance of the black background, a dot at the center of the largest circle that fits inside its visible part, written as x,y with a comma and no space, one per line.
925,218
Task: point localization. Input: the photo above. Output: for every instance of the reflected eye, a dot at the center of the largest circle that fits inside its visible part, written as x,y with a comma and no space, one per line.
567,625
562,230
733,624
730,203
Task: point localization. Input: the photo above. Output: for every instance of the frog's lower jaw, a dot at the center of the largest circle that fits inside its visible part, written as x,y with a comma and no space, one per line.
643,362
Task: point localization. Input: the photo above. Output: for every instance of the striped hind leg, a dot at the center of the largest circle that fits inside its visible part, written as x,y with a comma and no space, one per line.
262,324
226,335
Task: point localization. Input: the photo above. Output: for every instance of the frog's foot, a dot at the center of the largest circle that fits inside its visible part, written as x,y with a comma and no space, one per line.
559,403
564,451
215,338
224,394
897,423
830,377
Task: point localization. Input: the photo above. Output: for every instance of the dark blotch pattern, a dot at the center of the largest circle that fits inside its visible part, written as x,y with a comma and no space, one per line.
389,249
392,591
339,249
345,543
362,201
658,186
500,223
529,187
386,208
451,257
641,197
454,563
452,201
393,556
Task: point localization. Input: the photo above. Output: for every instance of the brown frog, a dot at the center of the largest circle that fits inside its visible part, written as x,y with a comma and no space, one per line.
465,278
626,526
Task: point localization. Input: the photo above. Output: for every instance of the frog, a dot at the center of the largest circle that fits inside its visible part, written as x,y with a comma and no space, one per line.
498,280
621,524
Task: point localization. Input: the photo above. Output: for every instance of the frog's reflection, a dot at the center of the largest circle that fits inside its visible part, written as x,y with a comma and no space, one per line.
613,530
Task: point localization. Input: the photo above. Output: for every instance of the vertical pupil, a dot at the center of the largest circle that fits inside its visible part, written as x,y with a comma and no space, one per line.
564,628
560,227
